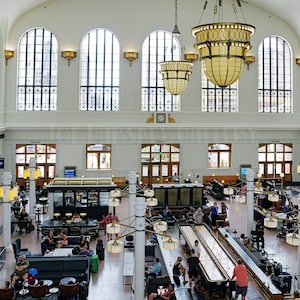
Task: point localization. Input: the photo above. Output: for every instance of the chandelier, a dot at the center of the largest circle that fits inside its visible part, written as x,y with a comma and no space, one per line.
175,74
223,47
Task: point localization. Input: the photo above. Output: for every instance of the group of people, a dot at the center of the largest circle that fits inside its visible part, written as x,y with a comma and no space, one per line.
19,210
110,218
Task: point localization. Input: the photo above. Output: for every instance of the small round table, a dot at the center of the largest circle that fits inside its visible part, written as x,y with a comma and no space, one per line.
67,280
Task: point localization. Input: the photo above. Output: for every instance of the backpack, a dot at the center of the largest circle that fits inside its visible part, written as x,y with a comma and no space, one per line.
83,290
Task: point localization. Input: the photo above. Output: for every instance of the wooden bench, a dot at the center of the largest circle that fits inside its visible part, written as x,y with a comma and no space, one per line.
269,290
128,267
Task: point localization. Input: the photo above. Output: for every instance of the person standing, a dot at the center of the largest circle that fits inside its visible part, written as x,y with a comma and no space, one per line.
214,215
259,228
197,249
193,263
179,270
198,216
241,282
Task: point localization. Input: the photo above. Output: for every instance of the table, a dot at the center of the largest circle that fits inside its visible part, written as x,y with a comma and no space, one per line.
60,252
68,280
83,225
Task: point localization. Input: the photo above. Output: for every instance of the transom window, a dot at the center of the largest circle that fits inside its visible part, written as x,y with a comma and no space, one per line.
274,76
216,99
37,71
100,71
98,156
219,156
159,46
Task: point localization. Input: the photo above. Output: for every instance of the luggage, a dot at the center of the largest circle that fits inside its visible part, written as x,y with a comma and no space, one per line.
83,291
95,263
100,250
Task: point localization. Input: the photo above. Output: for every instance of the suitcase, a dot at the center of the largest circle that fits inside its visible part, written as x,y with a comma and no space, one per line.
95,263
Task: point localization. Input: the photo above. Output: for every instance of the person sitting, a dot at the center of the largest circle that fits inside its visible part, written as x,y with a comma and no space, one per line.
296,295
85,251
16,207
62,240
167,214
155,269
83,242
76,218
48,242
166,295
21,269
23,220
179,270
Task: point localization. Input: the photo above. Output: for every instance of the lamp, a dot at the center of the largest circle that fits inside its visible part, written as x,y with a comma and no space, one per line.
249,59
160,226
131,56
298,61
175,74
113,228
228,191
8,54
191,57
223,47
68,55
170,243
293,239
115,246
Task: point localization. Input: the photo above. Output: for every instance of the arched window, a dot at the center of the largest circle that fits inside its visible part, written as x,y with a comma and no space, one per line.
158,46
219,156
274,76
37,71
216,99
99,71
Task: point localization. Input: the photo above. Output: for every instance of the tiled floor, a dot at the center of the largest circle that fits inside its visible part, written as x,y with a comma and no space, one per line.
107,284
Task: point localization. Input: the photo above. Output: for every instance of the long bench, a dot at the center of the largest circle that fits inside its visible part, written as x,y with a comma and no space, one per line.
57,267
269,290
128,267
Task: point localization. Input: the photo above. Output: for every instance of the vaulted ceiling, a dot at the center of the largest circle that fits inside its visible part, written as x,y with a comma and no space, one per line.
288,10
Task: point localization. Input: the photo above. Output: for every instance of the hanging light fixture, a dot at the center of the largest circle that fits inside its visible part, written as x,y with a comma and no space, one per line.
170,243
115,246
160,226
223,47
113,228
175,74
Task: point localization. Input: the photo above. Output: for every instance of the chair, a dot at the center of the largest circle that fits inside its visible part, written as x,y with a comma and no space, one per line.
93,232
38,291
129,241
68,291
18,250
7,294
73,231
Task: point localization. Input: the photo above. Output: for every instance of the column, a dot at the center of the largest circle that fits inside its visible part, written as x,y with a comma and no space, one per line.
32,196
131,195
139,286
250,202
50,205
6,179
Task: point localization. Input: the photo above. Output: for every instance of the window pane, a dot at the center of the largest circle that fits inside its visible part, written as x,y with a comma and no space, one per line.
92,160
224,160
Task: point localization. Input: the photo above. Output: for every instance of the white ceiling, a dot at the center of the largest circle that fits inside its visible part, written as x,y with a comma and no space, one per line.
288,10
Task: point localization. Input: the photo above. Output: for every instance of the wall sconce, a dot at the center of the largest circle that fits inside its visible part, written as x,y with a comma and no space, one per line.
8,54
68,55
298,61
249,59
131,55
191,57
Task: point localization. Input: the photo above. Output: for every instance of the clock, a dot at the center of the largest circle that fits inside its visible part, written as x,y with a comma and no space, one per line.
160,118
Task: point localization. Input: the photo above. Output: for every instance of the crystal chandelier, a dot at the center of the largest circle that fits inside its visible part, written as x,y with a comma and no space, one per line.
223,47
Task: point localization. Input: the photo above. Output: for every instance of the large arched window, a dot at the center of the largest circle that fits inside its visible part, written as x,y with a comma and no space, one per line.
37,71
274,76
216,99
99,71
158,46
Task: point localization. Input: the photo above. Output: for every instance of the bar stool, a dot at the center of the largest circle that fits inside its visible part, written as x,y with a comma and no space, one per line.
83,215
56,216
68,215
